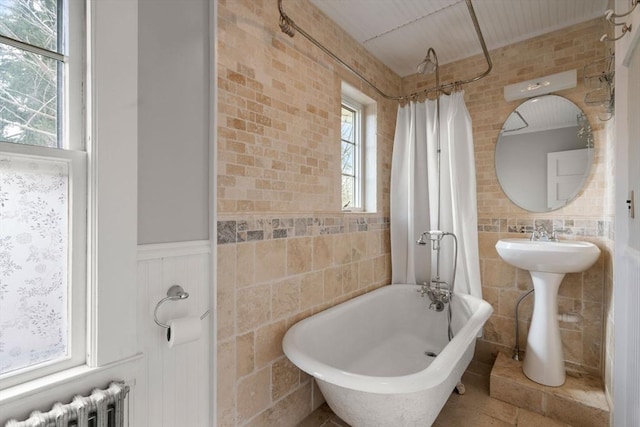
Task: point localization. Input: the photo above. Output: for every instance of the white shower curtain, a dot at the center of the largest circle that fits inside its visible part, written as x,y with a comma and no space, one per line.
414,198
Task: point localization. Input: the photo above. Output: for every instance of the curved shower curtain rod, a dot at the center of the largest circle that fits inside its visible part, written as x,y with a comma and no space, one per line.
289,27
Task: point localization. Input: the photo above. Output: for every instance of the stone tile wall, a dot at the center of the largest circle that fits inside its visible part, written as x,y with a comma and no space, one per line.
285,249
267,285
588,217
279,110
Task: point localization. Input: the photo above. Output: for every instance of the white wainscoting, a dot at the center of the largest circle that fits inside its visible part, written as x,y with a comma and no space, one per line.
627,340
169,387
177,380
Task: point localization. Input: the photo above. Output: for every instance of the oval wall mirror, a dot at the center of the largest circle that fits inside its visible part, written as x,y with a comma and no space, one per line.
544,153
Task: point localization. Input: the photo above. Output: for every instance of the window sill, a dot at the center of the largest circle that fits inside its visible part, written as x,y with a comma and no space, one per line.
32,387
358,212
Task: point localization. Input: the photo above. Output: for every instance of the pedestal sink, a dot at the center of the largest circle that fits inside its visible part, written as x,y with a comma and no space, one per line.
547,262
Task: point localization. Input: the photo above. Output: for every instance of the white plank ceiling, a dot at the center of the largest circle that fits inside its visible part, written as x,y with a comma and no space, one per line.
544,113
399,32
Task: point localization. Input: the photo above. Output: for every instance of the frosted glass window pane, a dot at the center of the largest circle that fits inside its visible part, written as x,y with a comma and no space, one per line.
34,235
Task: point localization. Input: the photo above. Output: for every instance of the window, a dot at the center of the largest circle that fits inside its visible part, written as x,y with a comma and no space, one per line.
358,151
43,177
351,158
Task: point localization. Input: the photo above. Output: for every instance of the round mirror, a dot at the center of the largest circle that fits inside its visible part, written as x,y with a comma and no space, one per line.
544,153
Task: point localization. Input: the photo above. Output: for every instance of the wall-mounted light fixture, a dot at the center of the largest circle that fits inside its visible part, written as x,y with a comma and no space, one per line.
541,86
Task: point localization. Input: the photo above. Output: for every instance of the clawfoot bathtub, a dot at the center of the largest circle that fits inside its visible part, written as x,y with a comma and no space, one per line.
374,357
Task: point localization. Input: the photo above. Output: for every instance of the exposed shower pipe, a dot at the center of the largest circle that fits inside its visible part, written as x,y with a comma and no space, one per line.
289,27
428,66
435,236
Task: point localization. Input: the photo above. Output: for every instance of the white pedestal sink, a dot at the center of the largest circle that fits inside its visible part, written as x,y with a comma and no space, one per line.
547,262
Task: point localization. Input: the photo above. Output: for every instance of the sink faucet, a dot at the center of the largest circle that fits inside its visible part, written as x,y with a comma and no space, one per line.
541,234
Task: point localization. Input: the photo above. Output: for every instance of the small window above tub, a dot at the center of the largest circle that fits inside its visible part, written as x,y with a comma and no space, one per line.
357,151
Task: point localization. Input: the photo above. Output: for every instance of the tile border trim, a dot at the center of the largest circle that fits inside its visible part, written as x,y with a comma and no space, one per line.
564,227
280,227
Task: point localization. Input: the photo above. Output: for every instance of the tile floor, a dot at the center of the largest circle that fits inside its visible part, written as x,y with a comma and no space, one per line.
473,409
580,401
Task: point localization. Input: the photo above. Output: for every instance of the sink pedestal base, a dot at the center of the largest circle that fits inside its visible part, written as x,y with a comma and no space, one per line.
544,361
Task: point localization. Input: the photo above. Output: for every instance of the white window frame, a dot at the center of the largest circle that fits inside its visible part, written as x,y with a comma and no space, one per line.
76,292
365,128
111,123
358,164
72,151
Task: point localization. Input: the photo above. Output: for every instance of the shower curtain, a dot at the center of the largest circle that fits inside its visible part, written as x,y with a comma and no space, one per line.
414,195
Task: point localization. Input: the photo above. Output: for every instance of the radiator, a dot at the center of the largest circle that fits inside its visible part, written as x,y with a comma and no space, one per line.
102,408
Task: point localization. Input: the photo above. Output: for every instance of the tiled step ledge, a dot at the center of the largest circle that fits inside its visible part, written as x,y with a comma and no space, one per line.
580,401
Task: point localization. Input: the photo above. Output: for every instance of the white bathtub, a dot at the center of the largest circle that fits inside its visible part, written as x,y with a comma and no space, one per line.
368,354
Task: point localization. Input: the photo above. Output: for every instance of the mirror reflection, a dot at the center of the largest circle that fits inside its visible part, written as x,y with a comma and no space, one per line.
544,153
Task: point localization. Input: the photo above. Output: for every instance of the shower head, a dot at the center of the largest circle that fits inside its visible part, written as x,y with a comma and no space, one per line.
429,64
433,235
426,66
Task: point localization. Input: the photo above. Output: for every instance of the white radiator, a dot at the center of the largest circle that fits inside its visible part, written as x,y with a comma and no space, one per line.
103,408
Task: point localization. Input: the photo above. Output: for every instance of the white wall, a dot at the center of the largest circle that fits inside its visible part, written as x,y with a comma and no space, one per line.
113,351
174,77
626,286
169,387
176,382
173,130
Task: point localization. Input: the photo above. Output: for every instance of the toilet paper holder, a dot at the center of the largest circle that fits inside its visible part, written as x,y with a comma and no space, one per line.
175,293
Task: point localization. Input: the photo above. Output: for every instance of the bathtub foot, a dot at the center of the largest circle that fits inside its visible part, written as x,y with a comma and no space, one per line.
460,388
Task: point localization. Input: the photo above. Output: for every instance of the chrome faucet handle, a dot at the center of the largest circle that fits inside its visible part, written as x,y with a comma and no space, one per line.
541,233
535,235
424,289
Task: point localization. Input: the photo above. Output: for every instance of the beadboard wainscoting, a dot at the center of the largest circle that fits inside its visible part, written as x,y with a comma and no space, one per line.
177,379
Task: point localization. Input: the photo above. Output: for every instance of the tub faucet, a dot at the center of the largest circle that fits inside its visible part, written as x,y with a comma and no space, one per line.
436,305
438,295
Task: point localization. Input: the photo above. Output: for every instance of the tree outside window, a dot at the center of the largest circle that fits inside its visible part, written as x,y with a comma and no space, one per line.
31,68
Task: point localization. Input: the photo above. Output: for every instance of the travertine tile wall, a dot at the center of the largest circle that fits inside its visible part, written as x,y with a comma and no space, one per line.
285,249
588,217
